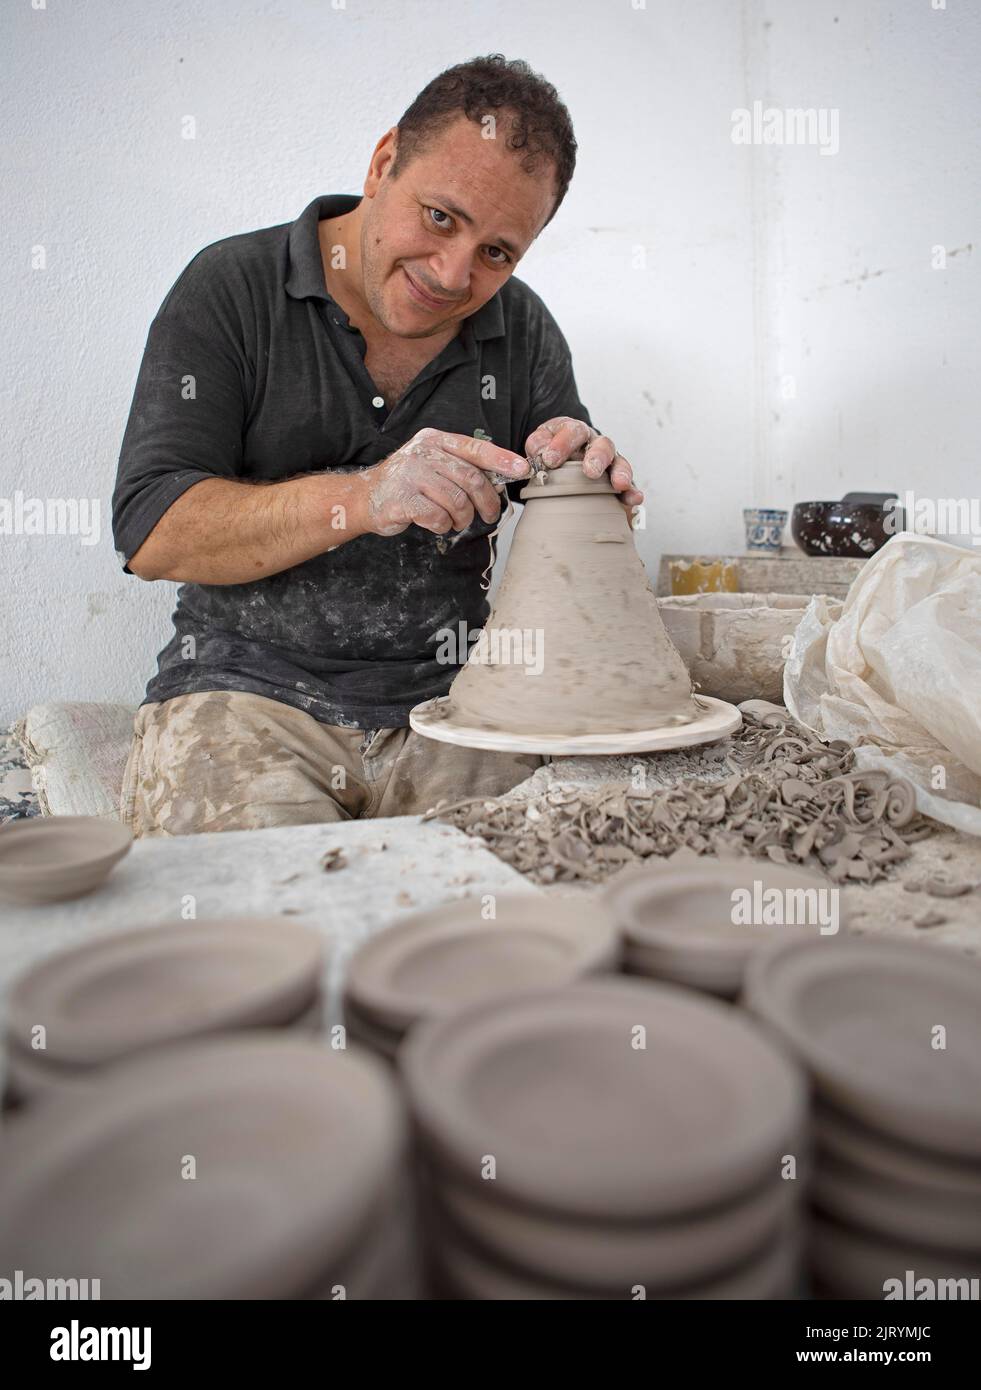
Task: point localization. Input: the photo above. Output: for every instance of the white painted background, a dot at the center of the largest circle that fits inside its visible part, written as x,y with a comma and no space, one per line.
761,263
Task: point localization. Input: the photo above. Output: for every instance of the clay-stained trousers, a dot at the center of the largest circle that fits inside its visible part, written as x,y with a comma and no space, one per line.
229,760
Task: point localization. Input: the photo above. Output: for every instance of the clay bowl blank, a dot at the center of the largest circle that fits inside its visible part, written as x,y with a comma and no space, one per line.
606,1255
862,1014
682,924
295,1147
122,992
48,858
586,1122
451,957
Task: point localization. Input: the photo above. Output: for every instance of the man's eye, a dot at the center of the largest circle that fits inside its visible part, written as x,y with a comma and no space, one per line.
505,257
436,212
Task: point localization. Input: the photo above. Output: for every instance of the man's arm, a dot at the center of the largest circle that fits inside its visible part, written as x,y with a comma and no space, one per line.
182,509
225,532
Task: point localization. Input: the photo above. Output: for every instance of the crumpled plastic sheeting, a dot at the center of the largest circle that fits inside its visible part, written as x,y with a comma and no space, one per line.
898,675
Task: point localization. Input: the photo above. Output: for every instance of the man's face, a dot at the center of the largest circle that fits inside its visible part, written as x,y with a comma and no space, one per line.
452,226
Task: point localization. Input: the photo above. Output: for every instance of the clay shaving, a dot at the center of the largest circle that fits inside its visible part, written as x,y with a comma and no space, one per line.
790,799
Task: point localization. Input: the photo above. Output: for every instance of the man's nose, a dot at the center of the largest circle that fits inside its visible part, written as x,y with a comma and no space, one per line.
451,268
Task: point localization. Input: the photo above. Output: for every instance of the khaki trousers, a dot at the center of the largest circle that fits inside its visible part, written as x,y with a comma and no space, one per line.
228,760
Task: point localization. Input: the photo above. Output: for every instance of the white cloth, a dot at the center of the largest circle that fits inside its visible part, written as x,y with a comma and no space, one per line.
77,753
898,675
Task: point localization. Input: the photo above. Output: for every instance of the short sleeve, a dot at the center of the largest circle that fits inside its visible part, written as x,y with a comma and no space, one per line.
187,416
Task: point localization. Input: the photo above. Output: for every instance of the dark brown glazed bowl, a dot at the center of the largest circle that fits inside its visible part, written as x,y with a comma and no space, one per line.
853,529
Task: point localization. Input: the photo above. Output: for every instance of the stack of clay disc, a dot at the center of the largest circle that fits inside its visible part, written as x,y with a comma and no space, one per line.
86,1008
45,859
256,1166
698,923
605,1138
891,1034
455,955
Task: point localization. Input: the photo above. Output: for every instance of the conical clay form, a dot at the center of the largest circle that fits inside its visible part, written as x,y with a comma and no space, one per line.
575,643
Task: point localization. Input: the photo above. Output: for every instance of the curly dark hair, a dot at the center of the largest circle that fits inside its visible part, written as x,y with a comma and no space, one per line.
539,123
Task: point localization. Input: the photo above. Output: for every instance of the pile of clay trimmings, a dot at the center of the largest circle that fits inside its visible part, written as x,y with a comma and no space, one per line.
789,798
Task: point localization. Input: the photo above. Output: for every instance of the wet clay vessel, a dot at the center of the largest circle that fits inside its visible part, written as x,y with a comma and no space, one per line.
575,652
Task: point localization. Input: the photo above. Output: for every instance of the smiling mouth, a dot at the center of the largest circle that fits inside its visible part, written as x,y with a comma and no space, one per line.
428,301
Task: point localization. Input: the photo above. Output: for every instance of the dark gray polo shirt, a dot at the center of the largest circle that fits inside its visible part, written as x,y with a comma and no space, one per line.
251,370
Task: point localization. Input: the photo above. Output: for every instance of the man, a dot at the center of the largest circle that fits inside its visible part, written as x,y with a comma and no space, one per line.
318,412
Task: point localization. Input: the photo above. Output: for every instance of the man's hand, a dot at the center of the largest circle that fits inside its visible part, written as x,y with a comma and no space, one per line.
437,480
563,438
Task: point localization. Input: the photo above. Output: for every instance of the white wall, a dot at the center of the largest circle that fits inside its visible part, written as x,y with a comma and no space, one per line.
757,264
883,349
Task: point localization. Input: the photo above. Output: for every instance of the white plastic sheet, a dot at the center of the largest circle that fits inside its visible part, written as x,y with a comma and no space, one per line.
898,674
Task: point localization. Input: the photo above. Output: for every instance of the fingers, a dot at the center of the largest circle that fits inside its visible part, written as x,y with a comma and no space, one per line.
558,439
480,452
600,454
475,485
458,490
622,478
428,514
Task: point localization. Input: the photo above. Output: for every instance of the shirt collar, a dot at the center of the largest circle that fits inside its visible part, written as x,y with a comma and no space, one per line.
305,276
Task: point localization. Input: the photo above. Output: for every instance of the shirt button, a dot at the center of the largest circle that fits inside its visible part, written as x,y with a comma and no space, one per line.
378,401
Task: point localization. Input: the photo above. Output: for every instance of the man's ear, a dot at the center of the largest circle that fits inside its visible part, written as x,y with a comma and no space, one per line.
382,159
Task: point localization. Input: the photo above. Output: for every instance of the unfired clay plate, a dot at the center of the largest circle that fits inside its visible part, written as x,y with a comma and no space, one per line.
863,1014
451,956
881,1157
366,1031
849,1263
687,913
294,1146
896,1210
584,1120
121,992
48,858
593,1255
385,1262
471,1274
31,1077
717,721
707,975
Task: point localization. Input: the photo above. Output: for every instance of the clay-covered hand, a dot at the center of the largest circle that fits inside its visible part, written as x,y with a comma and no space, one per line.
564,438
437,480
